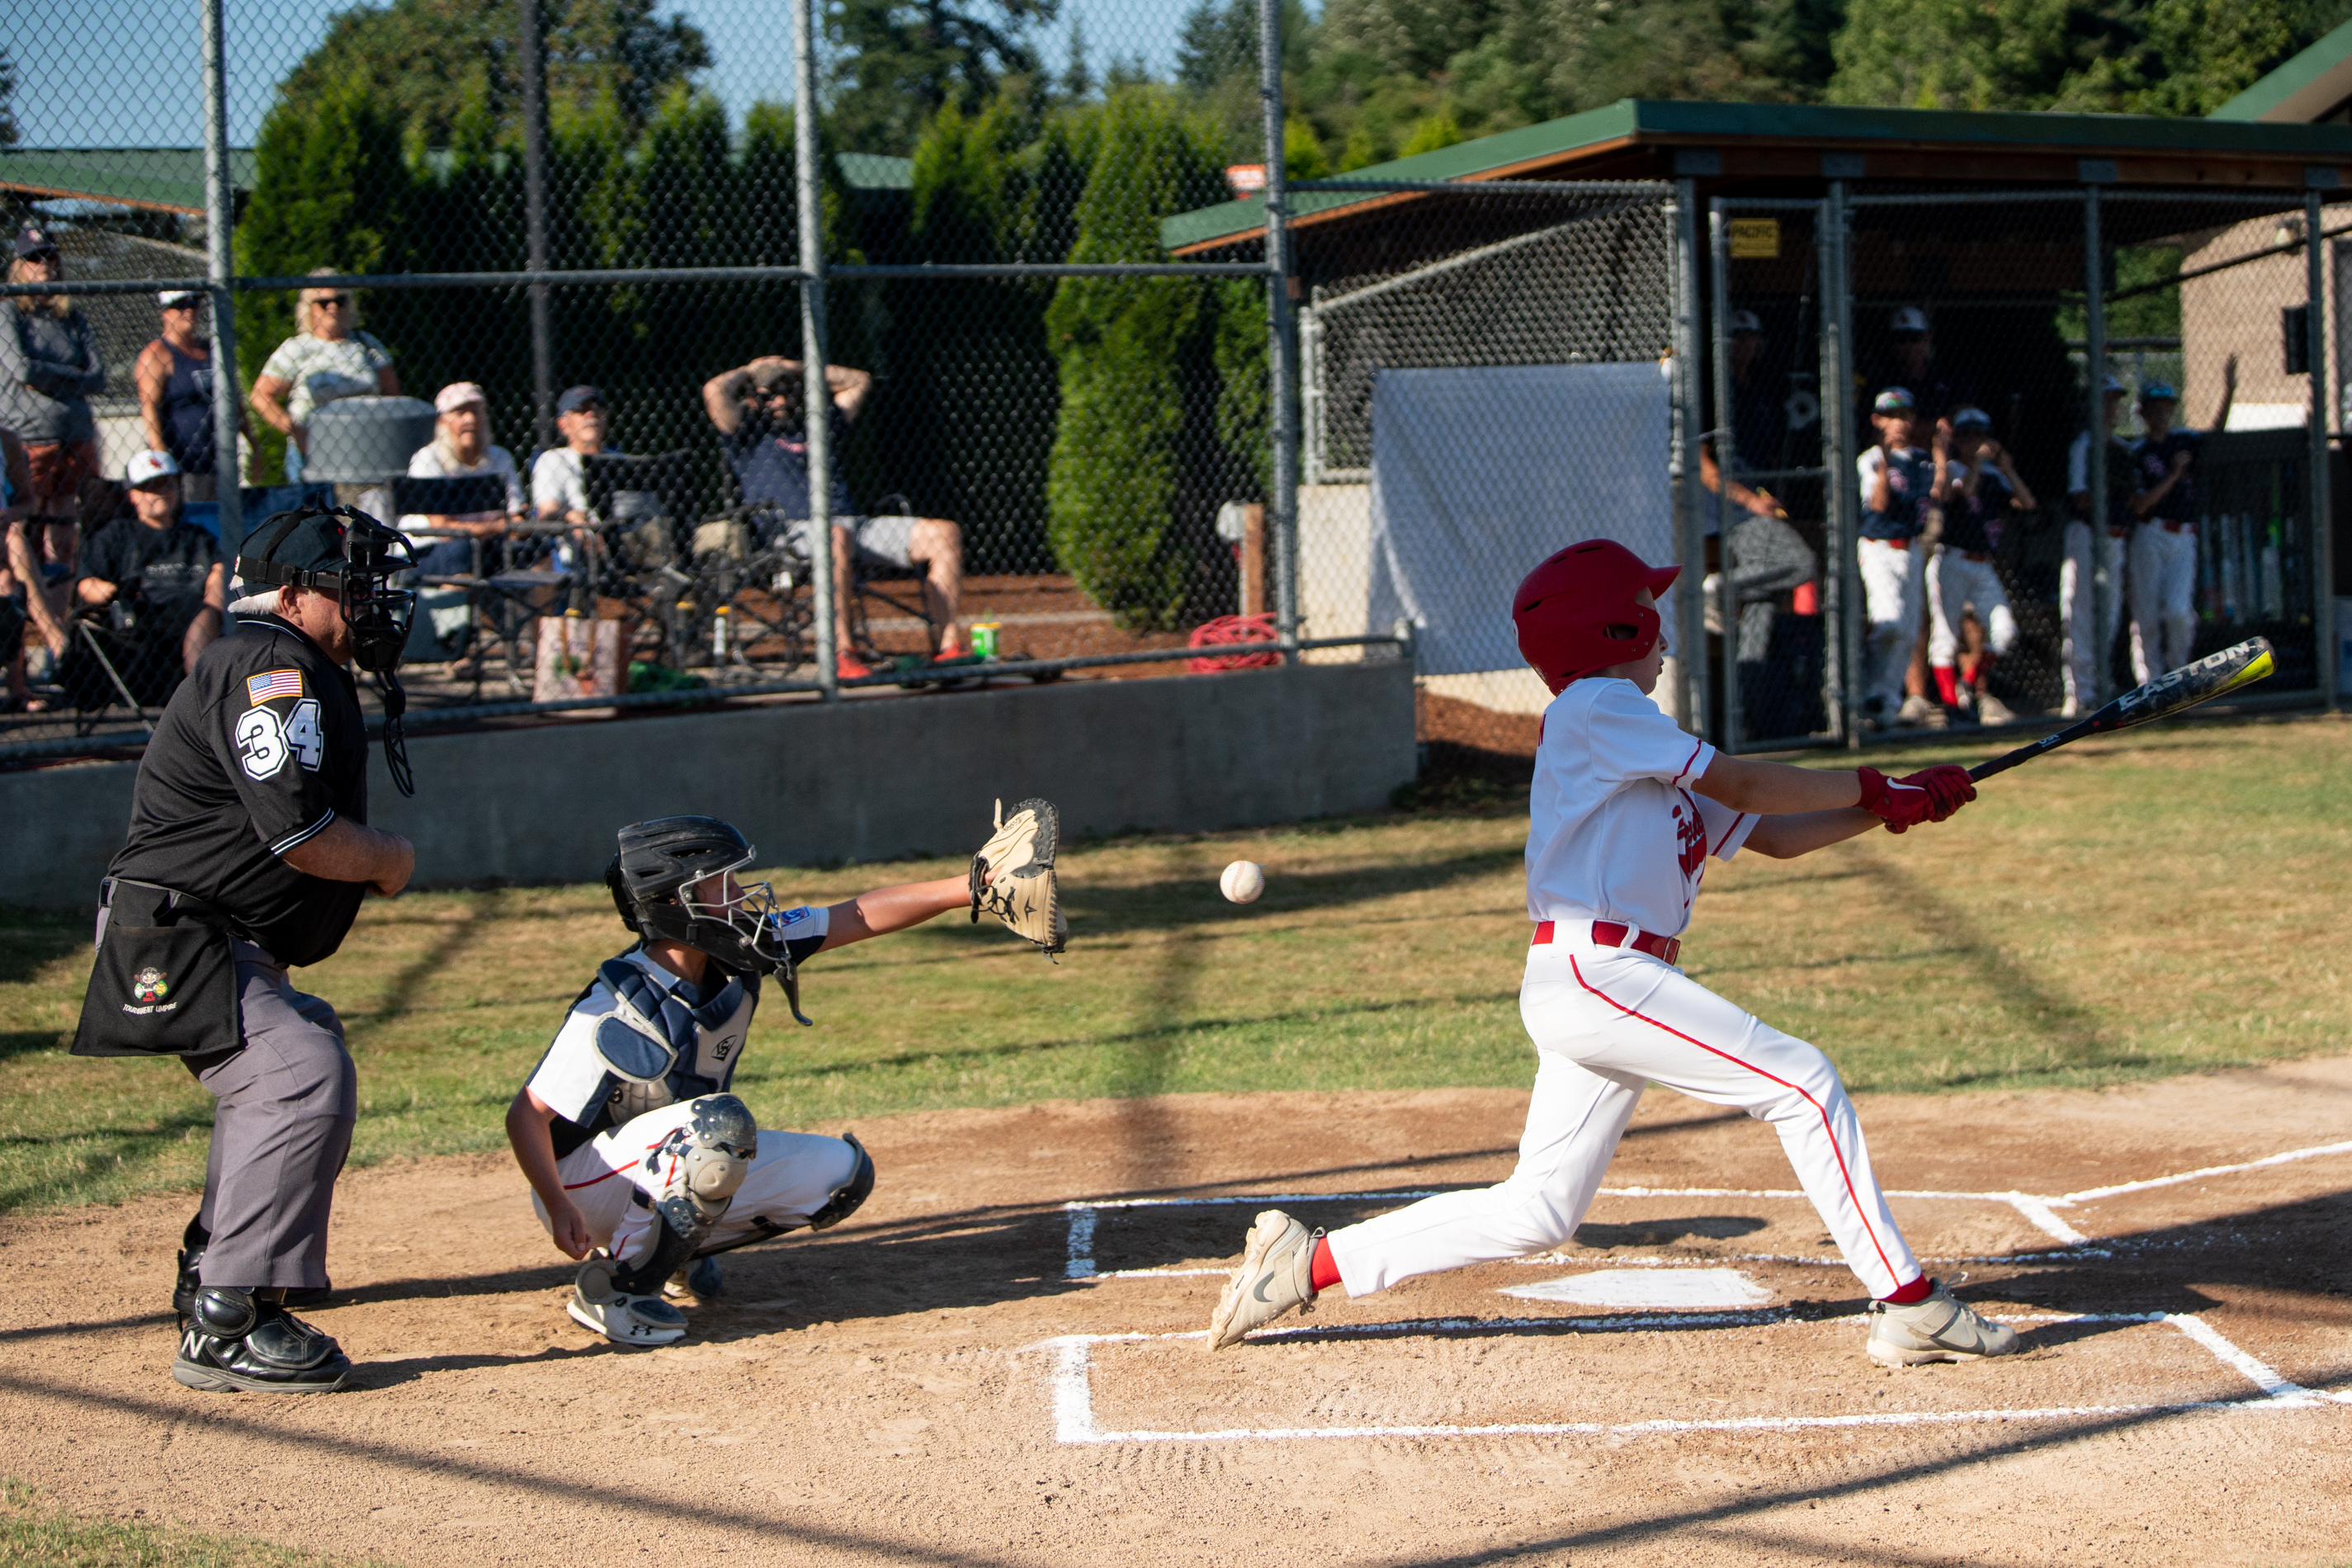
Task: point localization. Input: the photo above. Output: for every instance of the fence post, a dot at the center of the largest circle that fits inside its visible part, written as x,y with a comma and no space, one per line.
2323,509
1841,583
2104,588
1726,458
220,215
534,209
1690,598
817,396
1281,367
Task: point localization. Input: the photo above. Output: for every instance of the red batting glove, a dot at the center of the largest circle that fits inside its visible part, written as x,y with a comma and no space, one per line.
1900,803
1948,787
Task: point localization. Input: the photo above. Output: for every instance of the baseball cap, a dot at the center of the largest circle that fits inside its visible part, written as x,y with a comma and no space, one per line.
1909,318
315,544
576,399
2114,384
1971,419
769,378
34,241
1746,322
1894,400
171,297
145,468
2159,392
459,395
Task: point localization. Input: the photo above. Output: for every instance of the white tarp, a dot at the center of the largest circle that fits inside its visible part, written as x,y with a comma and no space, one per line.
1479,474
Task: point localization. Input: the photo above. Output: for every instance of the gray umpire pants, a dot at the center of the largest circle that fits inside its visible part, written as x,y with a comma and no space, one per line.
284,1107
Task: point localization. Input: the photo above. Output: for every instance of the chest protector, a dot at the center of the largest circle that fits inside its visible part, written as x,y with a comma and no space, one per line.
664,1051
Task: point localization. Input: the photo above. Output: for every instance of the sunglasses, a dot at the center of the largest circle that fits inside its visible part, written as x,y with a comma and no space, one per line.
336,300
181,305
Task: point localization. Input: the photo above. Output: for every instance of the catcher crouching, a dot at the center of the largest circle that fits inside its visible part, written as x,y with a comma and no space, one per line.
640,1159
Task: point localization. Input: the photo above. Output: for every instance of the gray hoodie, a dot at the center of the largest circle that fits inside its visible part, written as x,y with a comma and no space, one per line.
48,368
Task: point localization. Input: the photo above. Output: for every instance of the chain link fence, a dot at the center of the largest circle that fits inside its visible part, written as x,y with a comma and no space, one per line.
682,399
552,308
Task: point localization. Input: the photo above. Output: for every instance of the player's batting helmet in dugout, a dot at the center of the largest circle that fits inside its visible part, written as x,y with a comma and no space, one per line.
1575,614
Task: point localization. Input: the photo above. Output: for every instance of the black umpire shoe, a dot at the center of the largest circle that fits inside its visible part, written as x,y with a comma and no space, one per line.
190,1279
235,1342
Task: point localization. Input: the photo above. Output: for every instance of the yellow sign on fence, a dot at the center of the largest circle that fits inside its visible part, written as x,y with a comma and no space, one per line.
1755,240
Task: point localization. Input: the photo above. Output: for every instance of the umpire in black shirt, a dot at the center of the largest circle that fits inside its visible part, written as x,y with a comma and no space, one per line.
249,851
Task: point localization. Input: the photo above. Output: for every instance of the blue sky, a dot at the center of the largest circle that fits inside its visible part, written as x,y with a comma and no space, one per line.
128,73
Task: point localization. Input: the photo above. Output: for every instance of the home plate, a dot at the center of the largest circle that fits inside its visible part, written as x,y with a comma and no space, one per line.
1650,1288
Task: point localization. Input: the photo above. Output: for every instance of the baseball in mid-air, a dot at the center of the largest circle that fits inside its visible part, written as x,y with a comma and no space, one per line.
1244,881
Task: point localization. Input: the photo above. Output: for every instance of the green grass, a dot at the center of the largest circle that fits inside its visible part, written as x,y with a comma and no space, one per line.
35,1535
2164,902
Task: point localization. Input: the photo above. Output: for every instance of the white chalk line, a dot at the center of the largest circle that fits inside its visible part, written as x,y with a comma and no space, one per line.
1708,1260
1074,1418
2037,1209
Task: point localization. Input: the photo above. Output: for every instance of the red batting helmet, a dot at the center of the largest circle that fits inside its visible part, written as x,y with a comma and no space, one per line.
1576,612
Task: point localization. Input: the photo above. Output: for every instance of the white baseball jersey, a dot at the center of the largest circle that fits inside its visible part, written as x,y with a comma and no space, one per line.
1615,830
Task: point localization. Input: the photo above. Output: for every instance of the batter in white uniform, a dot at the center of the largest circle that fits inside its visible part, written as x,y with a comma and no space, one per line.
1625,811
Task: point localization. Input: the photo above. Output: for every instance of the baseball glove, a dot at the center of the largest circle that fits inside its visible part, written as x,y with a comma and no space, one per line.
1013,876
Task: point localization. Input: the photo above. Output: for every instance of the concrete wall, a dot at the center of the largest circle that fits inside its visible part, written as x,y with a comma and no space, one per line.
860,780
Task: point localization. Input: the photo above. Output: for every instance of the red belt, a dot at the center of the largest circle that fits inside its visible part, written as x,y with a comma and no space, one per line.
2172,527
1976,554
1608,933
1896,543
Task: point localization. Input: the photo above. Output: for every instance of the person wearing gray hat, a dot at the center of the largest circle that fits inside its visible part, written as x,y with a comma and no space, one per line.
174,374
49,368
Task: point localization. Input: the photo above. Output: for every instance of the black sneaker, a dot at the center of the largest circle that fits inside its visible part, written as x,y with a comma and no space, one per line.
192,1243
236,1342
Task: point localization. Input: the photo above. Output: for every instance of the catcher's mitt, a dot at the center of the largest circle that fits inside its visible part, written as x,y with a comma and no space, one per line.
1013,876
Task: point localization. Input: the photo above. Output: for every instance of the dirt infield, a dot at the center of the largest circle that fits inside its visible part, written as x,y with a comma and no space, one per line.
971,1372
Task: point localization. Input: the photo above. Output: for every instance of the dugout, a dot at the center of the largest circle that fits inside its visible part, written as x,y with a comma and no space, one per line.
1645,231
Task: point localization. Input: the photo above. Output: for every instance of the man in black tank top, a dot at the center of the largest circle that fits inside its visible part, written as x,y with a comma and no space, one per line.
174,376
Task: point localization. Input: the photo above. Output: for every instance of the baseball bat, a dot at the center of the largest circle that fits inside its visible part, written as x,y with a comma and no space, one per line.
2211,677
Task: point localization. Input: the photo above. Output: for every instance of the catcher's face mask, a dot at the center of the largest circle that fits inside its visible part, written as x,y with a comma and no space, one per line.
741,926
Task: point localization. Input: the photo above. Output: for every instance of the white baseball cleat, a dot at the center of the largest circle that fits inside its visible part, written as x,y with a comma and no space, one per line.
1278,1266
601,1307
1935,1329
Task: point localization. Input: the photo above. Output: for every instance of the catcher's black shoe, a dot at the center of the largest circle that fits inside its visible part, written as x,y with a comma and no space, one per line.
234,1343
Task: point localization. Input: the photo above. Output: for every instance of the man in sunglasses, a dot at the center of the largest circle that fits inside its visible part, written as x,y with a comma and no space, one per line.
759,411
248,853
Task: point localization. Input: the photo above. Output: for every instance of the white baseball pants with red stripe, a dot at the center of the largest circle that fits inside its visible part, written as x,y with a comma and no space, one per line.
792,1177
1606,1023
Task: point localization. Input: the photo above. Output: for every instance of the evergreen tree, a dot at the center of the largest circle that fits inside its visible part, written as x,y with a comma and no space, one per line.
1137,468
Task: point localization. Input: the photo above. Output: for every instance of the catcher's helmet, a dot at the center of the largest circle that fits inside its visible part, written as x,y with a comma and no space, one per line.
1575,614
654,884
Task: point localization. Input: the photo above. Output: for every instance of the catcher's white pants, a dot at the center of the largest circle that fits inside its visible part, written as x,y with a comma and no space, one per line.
1608,1021
1956,583
791,1178
2163,598
2083,651
1891,578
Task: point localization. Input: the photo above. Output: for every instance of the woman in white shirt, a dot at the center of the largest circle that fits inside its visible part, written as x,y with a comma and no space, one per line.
328,357
461,449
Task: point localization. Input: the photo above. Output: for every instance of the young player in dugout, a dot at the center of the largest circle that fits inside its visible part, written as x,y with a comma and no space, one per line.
1625,811
636,1150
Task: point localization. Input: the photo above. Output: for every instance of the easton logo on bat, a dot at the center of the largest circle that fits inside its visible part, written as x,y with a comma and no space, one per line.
2209,677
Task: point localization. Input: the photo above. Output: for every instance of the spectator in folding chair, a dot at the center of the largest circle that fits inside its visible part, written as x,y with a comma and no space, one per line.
151,594
559,476
461,450
759,411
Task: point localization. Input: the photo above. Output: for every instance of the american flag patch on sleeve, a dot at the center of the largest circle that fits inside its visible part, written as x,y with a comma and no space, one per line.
273,684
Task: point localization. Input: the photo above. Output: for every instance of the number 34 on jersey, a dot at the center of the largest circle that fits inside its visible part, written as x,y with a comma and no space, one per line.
266,742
